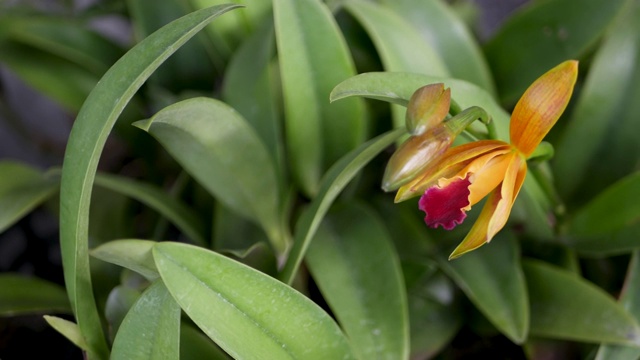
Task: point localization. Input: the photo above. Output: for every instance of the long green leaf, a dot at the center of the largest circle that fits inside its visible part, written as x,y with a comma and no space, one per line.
553,31
439,26
333,182
28,295
492,278
608,79
250,87
88,136
151,329
22,189
564,306
357,269
171,208
630,299
313,58
615,208
194,345
399,44
224,154
249,314
132,254
120,300
68,329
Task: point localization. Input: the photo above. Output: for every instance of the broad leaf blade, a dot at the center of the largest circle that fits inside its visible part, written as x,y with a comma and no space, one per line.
553,31
88,136
355,266
151,329
613,209
313,58
564,306
224,154
492,278
247,313
333,183
22,189
28,295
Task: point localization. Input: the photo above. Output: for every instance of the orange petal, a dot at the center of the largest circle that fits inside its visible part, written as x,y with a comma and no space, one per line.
541,106
495,213
452,162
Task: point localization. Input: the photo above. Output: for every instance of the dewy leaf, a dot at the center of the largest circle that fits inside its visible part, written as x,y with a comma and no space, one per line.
358,272
249,314
88,136
564,306
22,189
397,88
630,299
333,182
173,209
608,80
313,58
151,329
492,278
132,254
613,209
554,31
439,26
28,295
224,154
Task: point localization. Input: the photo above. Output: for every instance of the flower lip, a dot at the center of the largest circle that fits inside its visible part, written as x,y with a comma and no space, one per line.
444,206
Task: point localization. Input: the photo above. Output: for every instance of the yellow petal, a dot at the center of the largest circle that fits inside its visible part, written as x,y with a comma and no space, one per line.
495,213
452,162
488,177
541,106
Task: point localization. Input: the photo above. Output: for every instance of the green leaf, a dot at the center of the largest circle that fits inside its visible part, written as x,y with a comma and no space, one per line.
250,87
441,27
120,300
618,242
194,345
553,31
358,272
333,183
88,136
492,279
28,295
130,253
226,299
68,329
609,78
397,88
151,329
630,299
399,45
564,306
314,57
224,154
173,209
613,209
22,189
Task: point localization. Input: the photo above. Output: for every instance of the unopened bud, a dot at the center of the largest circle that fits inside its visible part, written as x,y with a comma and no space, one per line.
428,106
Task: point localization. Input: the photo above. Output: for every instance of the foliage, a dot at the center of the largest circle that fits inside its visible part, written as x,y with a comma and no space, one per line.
261,131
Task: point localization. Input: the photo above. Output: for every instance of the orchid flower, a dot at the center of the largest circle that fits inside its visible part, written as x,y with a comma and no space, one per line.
463,175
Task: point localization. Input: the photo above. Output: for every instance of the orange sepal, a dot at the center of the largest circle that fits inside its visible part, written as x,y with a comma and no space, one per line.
541,106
